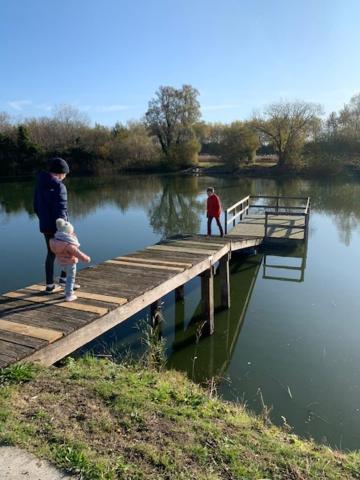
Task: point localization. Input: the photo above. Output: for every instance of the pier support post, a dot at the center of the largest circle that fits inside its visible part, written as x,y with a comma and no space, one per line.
224,281
155,313
207,298
179,293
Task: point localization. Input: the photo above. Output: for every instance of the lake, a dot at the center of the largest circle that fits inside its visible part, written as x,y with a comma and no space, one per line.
292,335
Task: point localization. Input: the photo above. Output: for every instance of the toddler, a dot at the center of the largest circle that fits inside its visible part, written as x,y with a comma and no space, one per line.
65,245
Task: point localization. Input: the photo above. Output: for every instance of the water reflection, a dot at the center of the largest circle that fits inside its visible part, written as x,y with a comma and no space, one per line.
176,204
287,268
211,357
174,210
301,332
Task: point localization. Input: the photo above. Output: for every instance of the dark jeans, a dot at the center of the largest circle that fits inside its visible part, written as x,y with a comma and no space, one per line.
218,224
49,263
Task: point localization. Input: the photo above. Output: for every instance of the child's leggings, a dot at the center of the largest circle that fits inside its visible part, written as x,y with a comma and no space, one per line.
70,278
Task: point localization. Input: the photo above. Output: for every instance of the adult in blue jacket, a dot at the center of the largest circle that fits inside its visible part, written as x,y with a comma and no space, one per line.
50,203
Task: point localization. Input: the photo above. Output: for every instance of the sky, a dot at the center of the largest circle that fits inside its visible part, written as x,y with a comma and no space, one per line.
108,57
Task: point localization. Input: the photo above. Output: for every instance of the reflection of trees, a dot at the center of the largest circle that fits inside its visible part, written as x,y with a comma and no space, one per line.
174,204
85,194
176,209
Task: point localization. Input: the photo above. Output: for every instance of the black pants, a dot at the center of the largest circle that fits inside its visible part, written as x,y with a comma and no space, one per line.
218,224
49,262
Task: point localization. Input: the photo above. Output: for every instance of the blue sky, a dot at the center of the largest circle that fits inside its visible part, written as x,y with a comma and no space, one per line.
108,57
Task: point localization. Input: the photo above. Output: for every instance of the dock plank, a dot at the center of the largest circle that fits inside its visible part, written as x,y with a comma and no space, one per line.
30,331
168,248
58,302
154,261
21,339
87,295
146,265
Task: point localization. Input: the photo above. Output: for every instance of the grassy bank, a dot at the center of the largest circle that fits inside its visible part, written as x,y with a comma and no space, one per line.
108,421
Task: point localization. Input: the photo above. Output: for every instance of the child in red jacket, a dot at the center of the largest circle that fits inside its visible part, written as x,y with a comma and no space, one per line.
65,245
213,210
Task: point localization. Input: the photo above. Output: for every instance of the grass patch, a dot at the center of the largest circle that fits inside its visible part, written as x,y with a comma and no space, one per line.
106,421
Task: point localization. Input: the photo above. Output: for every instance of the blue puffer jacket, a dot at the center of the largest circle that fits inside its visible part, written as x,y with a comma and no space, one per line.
50,201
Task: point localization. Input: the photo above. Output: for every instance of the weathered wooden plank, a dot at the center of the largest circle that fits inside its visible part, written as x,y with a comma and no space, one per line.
21,339
88,295
42,315
146,265
197,243
168,248
56,302
5,360
14,350
30,331
172,256
155,261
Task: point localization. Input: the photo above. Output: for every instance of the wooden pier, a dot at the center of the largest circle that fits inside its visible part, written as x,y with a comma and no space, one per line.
44,328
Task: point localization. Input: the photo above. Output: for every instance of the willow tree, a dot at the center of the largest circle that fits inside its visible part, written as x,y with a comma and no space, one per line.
171,116
287,126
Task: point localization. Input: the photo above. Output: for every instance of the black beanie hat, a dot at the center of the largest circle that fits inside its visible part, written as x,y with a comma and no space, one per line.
58,165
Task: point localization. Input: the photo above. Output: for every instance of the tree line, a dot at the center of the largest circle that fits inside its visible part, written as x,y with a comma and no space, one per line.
171,135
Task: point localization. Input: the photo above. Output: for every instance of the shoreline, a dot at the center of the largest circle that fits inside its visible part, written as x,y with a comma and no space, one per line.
103,420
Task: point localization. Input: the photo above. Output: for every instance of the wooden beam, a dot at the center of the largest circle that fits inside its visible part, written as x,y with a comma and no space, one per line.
30,331
168,248
88,295
207,298
224,282
155,261
146,265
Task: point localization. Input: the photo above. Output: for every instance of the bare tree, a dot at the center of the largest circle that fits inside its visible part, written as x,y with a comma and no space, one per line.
287,125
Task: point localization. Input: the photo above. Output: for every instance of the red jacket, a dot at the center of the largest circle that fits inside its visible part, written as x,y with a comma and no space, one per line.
213,206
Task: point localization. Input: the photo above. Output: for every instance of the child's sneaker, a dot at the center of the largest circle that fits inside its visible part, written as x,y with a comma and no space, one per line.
62,283
71,298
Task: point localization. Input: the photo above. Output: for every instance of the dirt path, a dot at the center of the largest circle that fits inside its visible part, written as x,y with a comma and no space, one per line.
15,464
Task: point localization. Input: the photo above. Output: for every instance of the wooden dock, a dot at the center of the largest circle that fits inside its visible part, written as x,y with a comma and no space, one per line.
44,328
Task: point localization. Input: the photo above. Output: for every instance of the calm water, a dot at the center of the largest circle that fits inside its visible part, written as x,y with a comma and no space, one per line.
295,338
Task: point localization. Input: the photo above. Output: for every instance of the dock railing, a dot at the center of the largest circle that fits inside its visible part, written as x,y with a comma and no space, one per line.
274,205
237,211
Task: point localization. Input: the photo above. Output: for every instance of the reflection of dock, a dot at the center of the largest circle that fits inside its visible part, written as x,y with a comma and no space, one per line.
276,265
45,328
213,356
